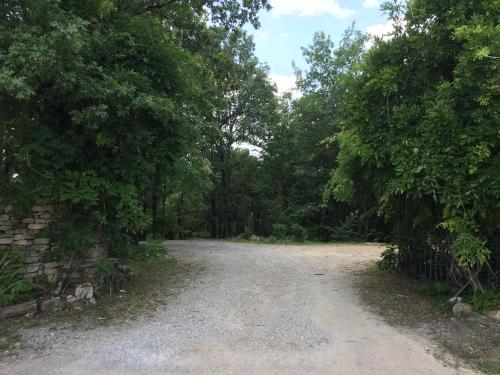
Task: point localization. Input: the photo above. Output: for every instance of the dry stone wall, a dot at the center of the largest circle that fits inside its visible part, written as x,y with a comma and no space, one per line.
28,235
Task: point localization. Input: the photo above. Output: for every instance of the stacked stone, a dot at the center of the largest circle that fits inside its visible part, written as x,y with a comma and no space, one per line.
94,254
26,236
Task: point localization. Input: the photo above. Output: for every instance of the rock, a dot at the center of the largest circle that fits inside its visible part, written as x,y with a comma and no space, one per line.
19,309
53,304
495,314
6,241
41,241
71,299
77,305
20,243
127,270
462,309
84,291
36,226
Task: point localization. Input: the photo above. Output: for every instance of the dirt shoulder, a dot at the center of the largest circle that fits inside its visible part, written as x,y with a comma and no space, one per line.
150,288
398,299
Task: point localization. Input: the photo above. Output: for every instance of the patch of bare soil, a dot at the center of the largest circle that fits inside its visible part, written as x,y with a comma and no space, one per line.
474,340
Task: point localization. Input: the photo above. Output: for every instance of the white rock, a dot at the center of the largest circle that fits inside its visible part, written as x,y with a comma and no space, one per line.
455,300
84,291
495,314
462,309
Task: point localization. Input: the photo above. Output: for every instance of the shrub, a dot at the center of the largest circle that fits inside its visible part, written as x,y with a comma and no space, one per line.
13,287
279,231
107,275
298,233
346,230
389,260
487,301
202,234
436,289
247,234
151,250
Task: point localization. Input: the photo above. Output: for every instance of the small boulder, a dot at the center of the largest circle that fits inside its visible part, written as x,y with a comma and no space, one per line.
53,304
495,315
462,309
84,292
455,300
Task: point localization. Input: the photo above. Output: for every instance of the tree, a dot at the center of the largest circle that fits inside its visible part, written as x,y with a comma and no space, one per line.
421,116
102,98
245,108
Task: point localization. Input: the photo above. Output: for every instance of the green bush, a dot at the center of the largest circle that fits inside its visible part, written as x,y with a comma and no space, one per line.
151,250
280,231
202,234
487,301
346,230
247,234
13,287
298,233
436,289
107,275
389,260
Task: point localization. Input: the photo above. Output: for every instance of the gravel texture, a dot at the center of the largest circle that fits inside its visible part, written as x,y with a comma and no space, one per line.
252,309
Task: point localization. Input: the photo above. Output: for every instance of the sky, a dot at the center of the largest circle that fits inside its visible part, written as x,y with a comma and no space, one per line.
291,24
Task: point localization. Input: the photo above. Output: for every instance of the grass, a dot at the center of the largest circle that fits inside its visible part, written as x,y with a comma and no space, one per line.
407,303
152,286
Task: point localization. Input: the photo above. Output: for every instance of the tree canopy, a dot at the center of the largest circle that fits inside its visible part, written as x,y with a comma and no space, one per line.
137,116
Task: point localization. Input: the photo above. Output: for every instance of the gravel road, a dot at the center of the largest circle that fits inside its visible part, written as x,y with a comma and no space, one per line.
253,309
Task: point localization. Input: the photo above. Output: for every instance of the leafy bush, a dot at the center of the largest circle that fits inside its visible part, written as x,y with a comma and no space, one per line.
107,275
436,289
201,234
486,301
13,287
247,234
271,239
389,260
152,250
280,231
298,233
74,239
347,230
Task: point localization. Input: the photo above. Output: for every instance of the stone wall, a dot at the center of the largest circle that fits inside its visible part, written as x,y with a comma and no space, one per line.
28,235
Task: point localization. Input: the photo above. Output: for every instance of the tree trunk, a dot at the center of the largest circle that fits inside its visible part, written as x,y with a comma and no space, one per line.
213,218
155,195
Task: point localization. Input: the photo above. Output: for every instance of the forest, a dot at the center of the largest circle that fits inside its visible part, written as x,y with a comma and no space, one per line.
140,119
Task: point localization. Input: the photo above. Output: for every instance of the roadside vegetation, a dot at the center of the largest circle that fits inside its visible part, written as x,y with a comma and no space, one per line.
130,116
154,280
424,307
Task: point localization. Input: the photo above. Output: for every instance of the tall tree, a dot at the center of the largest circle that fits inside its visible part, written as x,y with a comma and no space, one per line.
246,107
422,116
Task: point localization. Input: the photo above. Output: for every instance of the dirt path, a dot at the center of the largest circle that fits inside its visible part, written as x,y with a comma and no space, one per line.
254,309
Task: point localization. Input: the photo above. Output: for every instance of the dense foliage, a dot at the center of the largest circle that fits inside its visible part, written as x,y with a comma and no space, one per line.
421,119
137,117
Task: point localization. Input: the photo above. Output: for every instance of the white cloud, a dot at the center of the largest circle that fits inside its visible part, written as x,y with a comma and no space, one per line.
306,8
284,84
381,30
371,3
